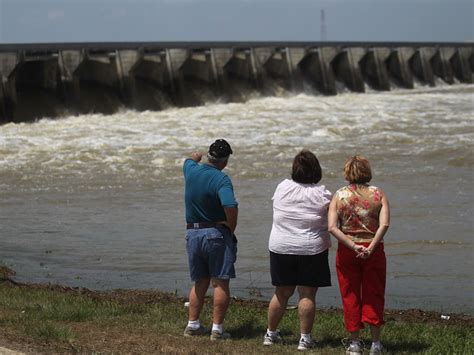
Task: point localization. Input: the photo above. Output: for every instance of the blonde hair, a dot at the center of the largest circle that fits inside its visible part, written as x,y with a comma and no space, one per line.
357,170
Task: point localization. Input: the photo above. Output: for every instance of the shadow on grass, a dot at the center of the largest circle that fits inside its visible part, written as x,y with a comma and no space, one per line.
248,330
331,342
406,347
391,347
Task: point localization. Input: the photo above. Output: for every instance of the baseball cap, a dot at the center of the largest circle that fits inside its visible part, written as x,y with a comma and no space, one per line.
220,149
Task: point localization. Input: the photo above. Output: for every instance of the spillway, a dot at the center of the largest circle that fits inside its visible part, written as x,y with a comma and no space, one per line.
47,80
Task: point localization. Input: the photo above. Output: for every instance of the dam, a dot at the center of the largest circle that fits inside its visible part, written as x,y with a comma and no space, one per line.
49,80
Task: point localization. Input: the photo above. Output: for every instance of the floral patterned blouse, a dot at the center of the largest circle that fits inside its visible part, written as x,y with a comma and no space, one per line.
358,209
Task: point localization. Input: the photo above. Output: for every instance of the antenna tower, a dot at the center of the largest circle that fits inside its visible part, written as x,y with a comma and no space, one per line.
323,26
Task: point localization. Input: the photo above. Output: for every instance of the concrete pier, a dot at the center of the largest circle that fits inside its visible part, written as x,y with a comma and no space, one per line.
374,69
421,65
317,69
442,65
461,66
399,66
48,80
348,70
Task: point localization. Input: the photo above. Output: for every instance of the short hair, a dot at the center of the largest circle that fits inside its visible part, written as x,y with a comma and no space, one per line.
216,160
306,168
357,170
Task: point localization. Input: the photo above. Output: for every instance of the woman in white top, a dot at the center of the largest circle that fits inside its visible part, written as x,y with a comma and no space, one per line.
298,245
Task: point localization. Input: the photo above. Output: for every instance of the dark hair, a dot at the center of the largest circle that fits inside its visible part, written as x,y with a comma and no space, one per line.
357,170
306,168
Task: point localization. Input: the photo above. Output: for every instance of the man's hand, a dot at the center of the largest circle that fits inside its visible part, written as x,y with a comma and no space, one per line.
196,156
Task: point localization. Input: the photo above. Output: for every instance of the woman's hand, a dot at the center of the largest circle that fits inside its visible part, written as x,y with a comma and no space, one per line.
367,253
360,250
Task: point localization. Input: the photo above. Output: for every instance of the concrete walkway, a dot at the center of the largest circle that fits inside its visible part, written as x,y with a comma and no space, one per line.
5,351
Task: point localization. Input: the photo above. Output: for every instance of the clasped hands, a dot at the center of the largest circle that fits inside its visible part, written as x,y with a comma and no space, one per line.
362,252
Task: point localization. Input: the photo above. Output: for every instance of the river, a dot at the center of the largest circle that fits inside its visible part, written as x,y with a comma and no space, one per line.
97,200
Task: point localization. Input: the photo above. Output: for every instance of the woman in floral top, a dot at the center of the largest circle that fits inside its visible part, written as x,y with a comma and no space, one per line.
359,216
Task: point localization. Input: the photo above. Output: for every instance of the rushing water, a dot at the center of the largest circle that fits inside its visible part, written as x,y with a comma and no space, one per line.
97,201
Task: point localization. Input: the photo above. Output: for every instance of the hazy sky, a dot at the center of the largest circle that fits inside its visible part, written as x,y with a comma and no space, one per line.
235,20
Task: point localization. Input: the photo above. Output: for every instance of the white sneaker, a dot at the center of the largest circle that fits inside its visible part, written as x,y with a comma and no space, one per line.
354,348
376,349
216,336
306,345
272,339
190,332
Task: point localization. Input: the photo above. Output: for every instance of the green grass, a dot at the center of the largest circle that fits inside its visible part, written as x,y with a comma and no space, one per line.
57,321
48,330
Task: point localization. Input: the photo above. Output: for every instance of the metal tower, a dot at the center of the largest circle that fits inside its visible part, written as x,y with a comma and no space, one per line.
323,26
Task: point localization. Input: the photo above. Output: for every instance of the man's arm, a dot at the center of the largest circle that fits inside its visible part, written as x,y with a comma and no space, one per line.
231,214
196,156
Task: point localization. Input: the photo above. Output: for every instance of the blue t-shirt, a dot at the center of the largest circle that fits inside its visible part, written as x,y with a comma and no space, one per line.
207,191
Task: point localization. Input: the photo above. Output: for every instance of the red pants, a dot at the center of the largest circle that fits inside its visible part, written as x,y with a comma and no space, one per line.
362,286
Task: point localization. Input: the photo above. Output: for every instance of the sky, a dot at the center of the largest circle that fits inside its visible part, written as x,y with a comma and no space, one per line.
34,21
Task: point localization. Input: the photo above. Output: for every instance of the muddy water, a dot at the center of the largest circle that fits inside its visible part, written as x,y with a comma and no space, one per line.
96,201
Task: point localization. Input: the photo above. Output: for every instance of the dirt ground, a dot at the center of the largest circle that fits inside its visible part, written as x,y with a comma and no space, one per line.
10,340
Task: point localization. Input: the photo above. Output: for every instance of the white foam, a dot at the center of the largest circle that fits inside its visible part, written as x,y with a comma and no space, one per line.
144,144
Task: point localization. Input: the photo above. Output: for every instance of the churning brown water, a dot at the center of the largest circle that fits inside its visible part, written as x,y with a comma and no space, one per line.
96,201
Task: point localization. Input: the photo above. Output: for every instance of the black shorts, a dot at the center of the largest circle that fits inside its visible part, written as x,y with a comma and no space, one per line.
300,270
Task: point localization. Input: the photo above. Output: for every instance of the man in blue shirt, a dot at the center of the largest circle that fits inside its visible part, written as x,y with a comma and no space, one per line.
211,217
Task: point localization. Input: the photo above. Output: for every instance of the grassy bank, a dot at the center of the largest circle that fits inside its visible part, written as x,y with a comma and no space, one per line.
41,318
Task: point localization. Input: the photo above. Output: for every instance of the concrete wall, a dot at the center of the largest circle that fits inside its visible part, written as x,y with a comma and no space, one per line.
46,80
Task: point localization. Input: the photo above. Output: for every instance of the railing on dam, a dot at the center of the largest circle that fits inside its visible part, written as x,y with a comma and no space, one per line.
40,80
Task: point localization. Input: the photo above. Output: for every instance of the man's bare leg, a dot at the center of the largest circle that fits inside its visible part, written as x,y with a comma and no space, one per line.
221,300
196,298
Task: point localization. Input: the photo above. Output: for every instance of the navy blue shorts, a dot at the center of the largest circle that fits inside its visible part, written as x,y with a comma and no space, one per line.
212,252
300,270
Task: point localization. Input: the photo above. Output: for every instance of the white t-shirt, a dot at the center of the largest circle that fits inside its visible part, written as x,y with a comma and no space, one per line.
300,219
